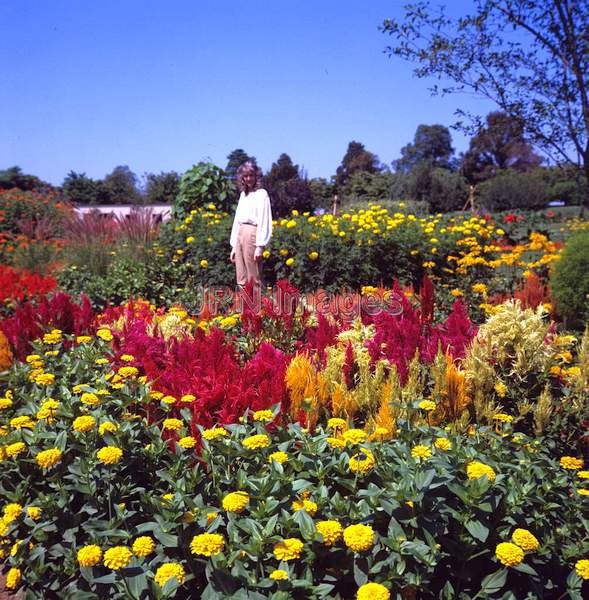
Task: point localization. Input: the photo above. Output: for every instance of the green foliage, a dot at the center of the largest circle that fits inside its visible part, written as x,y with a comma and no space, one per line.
162,188
288,191
322,192
356,158
120,186
432,145
200,185
570,281
13,177
234,160
510,190
367,187
83,190
443,190
435,529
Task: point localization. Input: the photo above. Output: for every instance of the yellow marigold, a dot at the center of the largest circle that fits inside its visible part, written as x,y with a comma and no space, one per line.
279,457
83,339
313,255
101,361
107,427
582,568
109,455
173,424
354,436
204,263
118,557
336,443
13,578
373,591
290,262
421,452
427,406
479,288
156,395
15,449
583,492
279,575
263,415
12,512
54,337
501,389
31,358
214,433
525,540
211,517
187,442
166,571
331,531
23,422
84,423
572,463
48,458
476,469
288,549
362,462
127,357
34,512
89,556
5,403
90,399
509,554
143,546
581,474
304,504
188,398
359,537
502,418
45,379
457,293
48,409
105,334
128,371
207,544
168,399
236,502
256,441
337,424
443,444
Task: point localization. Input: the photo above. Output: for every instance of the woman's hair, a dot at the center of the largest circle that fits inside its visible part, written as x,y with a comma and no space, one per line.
249,166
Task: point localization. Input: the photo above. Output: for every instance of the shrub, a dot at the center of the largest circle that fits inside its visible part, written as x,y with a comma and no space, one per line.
200,185
511,189
570,281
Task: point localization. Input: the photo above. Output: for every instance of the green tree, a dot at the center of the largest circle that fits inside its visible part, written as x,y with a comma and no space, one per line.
366,187
234,160
322,191
510,189
529,57
200,185
13,177
120,186
82,189
287,188
162,188
498,146
442,189
432,144
356,158
282,170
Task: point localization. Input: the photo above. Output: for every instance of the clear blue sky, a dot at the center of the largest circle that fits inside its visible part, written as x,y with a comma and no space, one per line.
159,85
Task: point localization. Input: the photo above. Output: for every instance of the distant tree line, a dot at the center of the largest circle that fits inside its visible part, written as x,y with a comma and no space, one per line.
499,171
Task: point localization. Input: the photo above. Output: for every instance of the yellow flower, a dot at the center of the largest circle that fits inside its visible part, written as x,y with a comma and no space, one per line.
236,502
188,398
337,424
54,337
84,424
582,568
207,544
373,591
331,531
15,449
572,463
509,554
168,399
187,442
443,444
173,424
313,255
167,571
582,492
362,462
479,288
214,433
581,474
156,395
476,469
107,427
336,443
427,405
502,418
211,517
283,252
359,537
190,239
48,458
109,455
31,358
256,441
266,254
90,399
289,262
354,436
204,263
143,546
5,403
128,371
13,578
288,549
89,556
263,415
525,540
101,361
421,452
34,512
304,504
118,557
105,334
45,379
48,410
278,575
457,293
501,389
12,512
279,457
23,422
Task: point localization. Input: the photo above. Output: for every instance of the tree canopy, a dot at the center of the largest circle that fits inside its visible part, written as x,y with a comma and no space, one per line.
356,158
432,144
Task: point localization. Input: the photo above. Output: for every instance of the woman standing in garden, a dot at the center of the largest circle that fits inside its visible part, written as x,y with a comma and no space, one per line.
252,225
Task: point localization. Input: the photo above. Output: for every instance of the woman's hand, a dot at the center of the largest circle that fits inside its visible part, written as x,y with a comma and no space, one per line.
232,255
258,253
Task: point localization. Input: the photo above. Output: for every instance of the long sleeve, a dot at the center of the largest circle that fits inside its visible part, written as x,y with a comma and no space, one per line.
264,231
234,229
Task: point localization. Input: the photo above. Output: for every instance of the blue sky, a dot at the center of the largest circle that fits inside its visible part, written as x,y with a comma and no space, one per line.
161,85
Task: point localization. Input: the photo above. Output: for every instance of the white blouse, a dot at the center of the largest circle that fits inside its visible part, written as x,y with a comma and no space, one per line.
255,209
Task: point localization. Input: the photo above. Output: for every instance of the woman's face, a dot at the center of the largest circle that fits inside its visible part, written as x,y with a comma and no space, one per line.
249,178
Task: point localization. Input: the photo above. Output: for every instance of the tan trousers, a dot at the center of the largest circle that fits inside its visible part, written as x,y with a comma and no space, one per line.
245,264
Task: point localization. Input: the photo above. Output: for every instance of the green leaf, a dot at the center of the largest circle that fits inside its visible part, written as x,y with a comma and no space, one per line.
494,582
477,530
305,523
